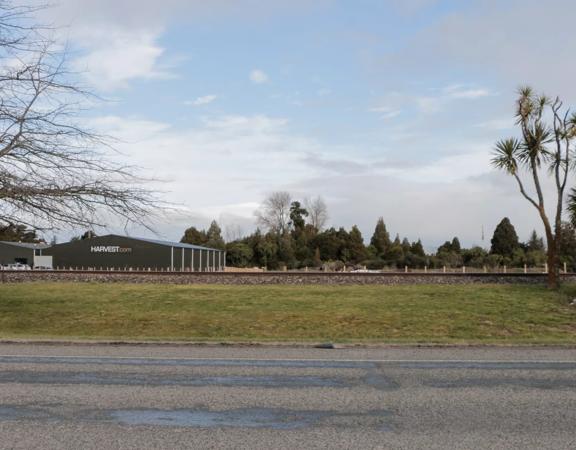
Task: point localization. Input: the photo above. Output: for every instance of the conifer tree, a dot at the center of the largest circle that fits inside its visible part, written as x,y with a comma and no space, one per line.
380,239
535,243
357,250
214,236
505,240
194,236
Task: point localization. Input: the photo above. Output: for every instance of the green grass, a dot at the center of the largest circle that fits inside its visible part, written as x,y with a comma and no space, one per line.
401,314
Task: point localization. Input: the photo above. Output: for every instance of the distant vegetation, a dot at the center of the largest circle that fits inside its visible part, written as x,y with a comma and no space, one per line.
289,239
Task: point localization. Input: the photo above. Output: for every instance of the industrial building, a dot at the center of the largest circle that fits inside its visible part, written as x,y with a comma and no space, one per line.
114,252
26,253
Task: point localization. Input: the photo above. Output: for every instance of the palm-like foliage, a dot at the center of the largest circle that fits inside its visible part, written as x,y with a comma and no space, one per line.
506,155
547,136
571,206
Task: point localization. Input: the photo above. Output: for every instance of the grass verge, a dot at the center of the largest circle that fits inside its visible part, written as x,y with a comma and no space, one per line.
503,314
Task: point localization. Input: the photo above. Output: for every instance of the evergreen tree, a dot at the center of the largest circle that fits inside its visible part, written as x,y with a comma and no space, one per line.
455,245
380,239
449,254
535,243
417,249
446,247
396,254
17,233
505,240
286,254
356,246
297,216
194,236
405,246
267,248
567,253
238,254
329,244
214,236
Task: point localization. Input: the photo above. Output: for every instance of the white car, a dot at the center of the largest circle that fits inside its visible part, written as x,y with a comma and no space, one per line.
18,266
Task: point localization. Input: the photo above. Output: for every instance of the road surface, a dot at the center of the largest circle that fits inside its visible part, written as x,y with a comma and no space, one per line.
167,397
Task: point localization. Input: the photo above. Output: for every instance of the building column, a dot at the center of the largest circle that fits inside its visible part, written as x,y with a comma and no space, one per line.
182,267
172,259
192,261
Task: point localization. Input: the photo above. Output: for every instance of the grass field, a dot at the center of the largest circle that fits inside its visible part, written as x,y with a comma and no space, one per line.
394,314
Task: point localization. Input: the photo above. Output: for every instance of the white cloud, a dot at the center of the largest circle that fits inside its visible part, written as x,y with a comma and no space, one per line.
517,41
386,112
114,57
451,168
497,124
257,76
434,103
119,41
223,167
459,91
203,100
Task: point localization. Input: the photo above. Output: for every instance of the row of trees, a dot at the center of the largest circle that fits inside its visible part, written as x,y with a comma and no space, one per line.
290,236
55,171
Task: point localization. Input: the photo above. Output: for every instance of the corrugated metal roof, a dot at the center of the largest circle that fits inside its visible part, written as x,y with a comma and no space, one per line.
166,243
26,244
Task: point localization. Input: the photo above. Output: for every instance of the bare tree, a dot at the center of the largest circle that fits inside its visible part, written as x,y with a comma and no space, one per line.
233,232
274,214
317,212
546,148
54,170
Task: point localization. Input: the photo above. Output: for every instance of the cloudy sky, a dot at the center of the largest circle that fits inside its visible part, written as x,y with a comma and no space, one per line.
383,107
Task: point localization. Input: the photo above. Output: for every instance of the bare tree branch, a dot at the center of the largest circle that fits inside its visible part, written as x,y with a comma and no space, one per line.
274,213
54,170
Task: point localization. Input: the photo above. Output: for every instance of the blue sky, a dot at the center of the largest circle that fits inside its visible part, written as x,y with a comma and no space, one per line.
385,108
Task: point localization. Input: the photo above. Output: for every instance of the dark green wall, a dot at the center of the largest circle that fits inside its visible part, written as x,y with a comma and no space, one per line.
143,255
9,254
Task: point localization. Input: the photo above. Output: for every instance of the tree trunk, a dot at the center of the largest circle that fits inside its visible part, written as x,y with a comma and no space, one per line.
553,278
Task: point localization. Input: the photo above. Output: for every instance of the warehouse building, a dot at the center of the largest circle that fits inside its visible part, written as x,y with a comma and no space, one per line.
114,252
26,253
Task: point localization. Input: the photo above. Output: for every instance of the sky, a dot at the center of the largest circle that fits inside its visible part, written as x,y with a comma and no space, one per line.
383,107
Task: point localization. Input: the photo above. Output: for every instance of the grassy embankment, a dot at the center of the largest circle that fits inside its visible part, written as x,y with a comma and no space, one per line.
404,314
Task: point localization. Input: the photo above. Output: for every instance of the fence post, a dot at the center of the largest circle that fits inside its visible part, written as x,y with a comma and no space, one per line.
545,267
463,269
405,269
443,269
425,269
565,271
485,269
504,269
525,269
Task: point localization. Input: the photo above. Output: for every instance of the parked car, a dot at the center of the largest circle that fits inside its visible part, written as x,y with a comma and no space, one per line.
17,266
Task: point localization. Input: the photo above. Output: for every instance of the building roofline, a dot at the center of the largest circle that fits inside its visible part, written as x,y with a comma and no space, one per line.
157,242
30,245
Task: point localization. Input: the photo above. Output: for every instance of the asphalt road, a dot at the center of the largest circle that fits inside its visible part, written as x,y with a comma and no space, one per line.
162,397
